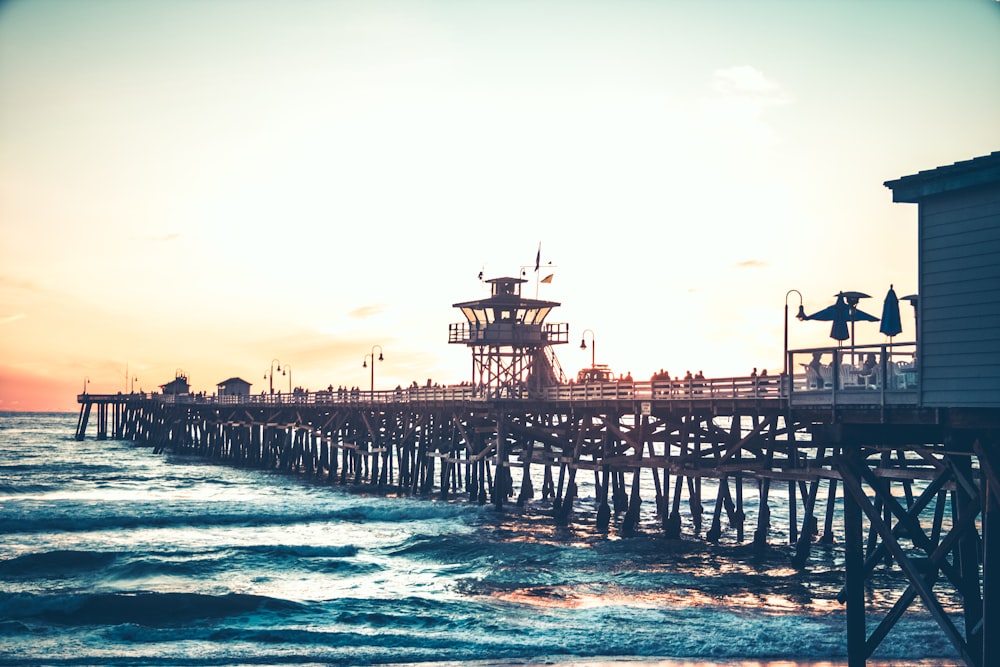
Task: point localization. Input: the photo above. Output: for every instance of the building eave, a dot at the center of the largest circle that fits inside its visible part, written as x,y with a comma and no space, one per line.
974,173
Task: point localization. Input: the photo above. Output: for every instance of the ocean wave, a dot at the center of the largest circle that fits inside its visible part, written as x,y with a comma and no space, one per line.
410,613
53,469
149,568
339,560
195,629
400,510
259,567
24,489
74,518
55,563
460,548
114,567
303,551
77,517
142,608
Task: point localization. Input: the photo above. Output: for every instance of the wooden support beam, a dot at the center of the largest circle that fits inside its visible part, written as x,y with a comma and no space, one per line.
987,455
857,649
918,506
936,559
851,473
967,557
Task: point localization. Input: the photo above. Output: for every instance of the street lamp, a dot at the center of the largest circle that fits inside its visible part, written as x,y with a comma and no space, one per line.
86,381
288,369
593,346
132,389
364,364
801,315
270,376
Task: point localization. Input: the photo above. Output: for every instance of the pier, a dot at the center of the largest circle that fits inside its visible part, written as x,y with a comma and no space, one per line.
900,454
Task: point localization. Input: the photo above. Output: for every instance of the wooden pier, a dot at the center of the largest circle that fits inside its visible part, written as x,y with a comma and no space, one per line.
916,485
905,447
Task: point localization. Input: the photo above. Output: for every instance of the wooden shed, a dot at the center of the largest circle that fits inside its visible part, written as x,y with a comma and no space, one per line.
178,386
234,387
958,312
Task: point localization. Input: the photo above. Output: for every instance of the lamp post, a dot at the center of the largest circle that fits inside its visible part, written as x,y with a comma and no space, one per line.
364,364
801,315
132,389
593,345
270,376
86,381
288,370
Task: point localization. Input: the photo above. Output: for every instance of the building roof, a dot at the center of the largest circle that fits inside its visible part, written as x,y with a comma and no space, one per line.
232,381
977,172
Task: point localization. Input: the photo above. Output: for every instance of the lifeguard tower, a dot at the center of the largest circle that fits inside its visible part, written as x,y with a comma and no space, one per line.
511,344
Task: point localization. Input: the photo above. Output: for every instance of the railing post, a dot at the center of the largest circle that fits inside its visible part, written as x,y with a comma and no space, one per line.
835,376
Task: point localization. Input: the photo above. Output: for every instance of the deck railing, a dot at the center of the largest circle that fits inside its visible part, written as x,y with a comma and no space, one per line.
708,388
862,375
859,375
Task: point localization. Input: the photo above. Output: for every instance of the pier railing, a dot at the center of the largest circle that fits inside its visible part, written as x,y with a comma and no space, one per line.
883,374
864,375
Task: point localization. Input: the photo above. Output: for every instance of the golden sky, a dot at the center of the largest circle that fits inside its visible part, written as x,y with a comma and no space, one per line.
208,186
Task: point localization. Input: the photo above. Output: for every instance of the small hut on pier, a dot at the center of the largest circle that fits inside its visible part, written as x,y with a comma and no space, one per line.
178,386
237,387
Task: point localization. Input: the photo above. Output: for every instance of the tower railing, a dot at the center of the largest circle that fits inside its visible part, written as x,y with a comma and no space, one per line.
508,333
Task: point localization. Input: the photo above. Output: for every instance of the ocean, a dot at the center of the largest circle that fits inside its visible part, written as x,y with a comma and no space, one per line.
113,555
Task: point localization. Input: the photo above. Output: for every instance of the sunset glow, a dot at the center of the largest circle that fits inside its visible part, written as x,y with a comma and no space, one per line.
209,186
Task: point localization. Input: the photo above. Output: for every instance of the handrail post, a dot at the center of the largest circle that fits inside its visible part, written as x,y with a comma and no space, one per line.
835,375
885,373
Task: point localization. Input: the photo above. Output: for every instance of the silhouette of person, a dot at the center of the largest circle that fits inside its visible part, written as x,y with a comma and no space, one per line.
813,370
869,364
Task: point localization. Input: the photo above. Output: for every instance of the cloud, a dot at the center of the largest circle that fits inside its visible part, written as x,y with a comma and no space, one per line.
751,264
748,82
12,318
735,114
364,312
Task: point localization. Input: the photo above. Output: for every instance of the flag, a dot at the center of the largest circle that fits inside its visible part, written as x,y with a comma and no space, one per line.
548,278
538,257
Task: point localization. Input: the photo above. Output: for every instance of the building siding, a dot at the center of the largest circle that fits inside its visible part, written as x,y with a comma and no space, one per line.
959,248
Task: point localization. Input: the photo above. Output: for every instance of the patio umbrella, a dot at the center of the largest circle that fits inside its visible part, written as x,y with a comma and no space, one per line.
837,313
840,313
891,323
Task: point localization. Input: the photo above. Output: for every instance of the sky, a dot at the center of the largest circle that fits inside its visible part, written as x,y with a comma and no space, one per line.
216,187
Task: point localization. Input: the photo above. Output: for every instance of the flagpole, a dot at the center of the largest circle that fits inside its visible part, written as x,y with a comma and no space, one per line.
538,263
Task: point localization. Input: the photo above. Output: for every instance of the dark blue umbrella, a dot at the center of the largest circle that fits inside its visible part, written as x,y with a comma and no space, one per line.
891,322
840,313
837,313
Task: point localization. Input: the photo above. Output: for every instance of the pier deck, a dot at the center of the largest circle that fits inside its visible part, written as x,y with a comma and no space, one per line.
910,486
